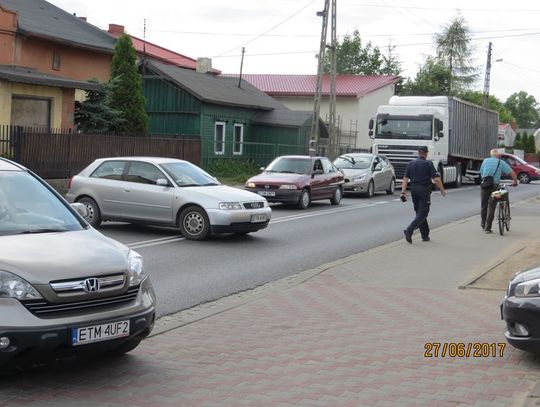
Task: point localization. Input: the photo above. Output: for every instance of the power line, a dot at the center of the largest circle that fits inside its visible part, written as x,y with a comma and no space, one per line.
270,29
497,10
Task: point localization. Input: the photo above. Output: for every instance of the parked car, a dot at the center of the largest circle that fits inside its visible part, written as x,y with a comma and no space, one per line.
298,180
64,287
521,311
167,192
366,173
524,171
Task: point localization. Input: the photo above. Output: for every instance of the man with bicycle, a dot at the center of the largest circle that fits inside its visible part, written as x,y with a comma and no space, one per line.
494,167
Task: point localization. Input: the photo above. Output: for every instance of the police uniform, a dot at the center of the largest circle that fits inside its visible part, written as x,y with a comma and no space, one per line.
420,172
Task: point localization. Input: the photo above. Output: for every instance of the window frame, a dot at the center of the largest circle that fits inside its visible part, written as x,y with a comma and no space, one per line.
238,143
222,141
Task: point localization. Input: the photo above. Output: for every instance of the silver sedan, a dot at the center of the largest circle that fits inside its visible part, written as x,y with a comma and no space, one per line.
168,192
366,173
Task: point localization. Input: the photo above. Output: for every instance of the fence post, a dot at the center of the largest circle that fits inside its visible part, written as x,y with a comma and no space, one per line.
15,142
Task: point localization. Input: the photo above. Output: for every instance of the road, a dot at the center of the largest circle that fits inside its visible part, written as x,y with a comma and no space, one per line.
186,273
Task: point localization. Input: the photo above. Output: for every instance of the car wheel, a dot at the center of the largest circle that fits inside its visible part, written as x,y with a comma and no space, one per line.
194,223
459,176
370,189
336,198
305,199
524,178
126,347
392,187
93,214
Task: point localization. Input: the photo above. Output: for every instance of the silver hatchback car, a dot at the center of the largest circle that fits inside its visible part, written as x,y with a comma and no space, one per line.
65,288
366,173
167,192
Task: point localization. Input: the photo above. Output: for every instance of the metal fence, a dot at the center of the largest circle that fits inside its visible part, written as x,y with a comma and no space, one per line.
62,153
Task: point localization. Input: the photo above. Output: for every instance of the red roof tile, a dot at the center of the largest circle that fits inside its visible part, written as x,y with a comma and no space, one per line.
162,54
304,85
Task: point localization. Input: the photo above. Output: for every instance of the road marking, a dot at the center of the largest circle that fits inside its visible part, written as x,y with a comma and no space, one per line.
155,242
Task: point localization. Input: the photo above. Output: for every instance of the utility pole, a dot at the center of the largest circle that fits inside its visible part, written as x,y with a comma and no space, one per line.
314,142
241,66
485,101
332,142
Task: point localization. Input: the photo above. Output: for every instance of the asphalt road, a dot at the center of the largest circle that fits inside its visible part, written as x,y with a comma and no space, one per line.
186,273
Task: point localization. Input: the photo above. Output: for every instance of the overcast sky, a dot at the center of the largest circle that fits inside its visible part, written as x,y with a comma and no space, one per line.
282,36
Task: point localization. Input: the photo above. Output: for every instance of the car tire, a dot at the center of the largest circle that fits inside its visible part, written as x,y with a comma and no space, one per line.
524,178
370,189
392,187
194,223
336,198
305,199
125,347
93,213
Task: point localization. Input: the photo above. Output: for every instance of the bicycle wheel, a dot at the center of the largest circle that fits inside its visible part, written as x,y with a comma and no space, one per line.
500,217
507,216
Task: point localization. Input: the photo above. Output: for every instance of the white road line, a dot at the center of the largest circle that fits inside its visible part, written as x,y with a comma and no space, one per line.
155,242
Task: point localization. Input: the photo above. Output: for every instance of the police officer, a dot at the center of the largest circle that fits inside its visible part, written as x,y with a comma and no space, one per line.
419,174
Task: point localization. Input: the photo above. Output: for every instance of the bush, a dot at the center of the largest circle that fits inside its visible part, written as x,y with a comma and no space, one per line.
231,171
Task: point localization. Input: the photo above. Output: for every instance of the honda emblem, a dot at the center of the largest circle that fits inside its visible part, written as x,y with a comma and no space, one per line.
91,285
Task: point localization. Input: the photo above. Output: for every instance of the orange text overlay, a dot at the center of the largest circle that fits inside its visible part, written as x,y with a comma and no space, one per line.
464,350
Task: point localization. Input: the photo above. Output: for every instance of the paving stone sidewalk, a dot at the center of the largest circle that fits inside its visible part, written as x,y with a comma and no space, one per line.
357,332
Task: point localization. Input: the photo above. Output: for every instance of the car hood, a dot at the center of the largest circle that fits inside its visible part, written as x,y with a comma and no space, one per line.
44,257
221,193
350,172
278,178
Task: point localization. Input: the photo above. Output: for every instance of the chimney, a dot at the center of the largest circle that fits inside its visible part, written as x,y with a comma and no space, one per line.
82,18
204,65
116,29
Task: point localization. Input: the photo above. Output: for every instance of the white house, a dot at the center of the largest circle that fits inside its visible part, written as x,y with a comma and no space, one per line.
357,99
506,135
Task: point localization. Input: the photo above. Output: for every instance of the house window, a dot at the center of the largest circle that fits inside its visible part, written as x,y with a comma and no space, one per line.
30,111
238,139
56,61
219,138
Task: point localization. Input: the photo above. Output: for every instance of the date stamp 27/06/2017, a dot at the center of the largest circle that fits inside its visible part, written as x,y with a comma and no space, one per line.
464,350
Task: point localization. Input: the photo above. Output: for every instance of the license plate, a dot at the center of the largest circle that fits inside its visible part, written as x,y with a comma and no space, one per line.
99,333
267,193
258,218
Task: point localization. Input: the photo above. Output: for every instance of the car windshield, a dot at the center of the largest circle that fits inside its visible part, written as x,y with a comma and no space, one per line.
403,129
291,165
27,206
185,174
351,162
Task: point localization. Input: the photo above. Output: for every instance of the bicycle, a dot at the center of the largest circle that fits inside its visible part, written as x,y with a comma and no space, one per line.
500,196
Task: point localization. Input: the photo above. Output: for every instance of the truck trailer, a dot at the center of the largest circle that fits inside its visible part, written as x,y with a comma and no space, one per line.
458,134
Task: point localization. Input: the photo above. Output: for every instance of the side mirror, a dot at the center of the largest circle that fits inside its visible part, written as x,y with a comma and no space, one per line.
377,167
370,126
318,172
162,182
80,209
370,134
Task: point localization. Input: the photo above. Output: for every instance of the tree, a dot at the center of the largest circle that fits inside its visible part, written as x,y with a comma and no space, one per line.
352,58
126,88
432,79
524,108
517,141
454,51
95,114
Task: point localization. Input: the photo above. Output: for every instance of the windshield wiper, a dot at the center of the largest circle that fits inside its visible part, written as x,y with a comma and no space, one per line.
190,185
42,230
288,172
210,184
349,159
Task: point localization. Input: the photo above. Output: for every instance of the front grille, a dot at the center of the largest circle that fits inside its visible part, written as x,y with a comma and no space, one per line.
45,309
266,186
254,205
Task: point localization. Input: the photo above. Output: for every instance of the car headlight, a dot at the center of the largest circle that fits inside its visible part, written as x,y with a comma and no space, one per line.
250,185
136,269
229,205
528,288
359,178
12,286
288,186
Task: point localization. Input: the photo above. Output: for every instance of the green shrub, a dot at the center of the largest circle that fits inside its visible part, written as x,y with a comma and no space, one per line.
232,171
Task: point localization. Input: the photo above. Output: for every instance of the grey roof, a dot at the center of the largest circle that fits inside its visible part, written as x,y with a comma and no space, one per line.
42,19
215,89
27,75
284,117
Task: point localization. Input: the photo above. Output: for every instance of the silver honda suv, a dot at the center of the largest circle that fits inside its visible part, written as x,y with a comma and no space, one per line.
64,287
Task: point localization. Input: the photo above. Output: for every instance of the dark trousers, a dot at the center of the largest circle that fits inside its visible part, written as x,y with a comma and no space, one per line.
487,207
421,197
